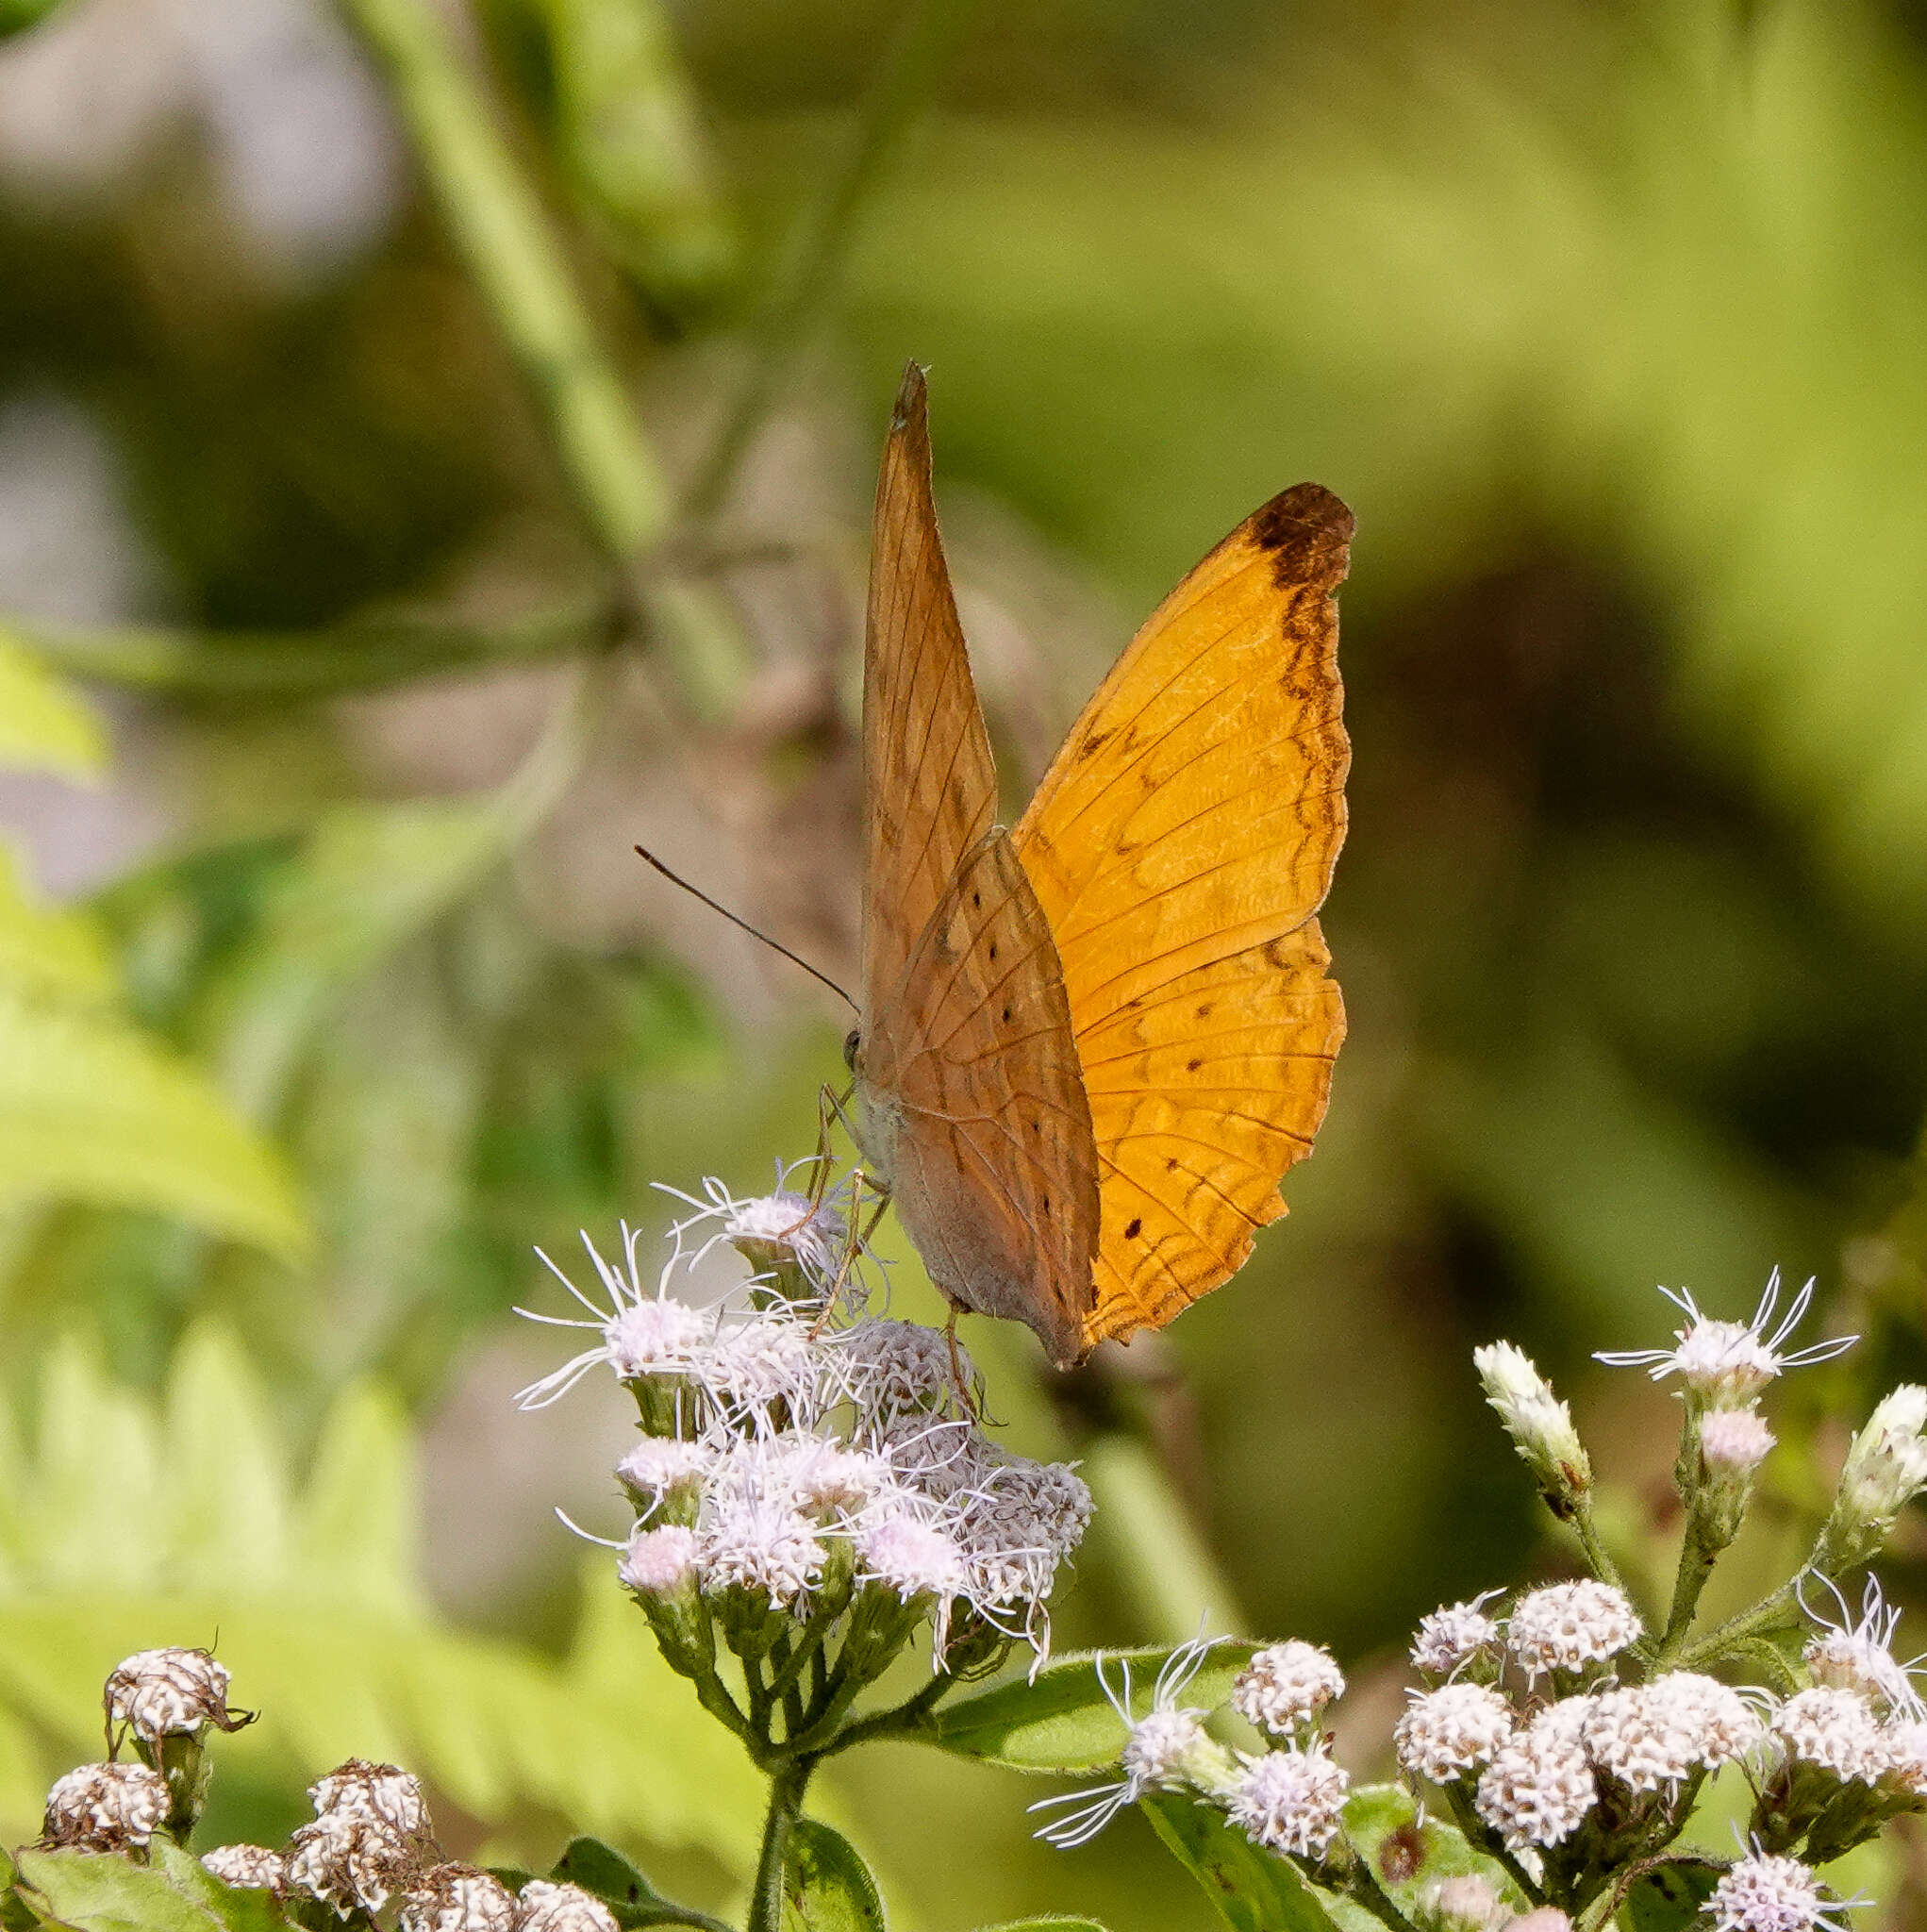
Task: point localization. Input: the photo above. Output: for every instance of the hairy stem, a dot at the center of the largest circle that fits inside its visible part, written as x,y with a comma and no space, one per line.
1769,1614
787,1781
900,1719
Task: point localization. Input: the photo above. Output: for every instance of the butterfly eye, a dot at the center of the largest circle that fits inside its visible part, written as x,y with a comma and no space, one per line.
851,1040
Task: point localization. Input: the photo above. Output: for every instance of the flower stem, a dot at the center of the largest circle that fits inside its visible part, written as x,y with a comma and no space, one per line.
788,1777
1587,1528
1768,1614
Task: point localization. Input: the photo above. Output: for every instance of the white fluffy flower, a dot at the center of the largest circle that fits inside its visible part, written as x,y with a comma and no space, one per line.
345,1860
1835,1729
1566,1625
1904,1746
1289,1801
659,1562
1726,1363
912,1557
1286,1685
1159,1752
457,1898
1444,1734
105,1808
159,1693
1767,1893
758,1544
541,1907
658,1466
1654,1736
1465,1903
1539,1422
1734,1442
890,1368
1857,1655
383,1792
823,1477
247,1867
1540,1785
763,1359
1452,1636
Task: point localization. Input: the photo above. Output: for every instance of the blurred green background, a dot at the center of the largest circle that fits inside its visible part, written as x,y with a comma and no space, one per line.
367,599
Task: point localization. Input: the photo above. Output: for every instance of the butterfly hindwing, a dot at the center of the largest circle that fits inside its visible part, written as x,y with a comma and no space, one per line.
971,1081
1180,846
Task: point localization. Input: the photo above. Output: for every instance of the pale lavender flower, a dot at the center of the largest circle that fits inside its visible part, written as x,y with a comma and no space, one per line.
1566,1625
1286,1685
1450,1638
1858,1655
660,1562
1725,1363
1445,1733
1768,1894
1835,1729
1289,1801
1540,1785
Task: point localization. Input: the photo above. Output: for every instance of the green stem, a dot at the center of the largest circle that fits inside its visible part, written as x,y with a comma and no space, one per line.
900,1719
1596,1552
1478,1833
366,654
1768,1614
1696,1565
505,240
813,259
788,1781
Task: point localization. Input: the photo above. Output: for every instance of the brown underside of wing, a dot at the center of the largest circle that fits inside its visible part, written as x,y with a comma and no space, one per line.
993,1165
929,783
1180,846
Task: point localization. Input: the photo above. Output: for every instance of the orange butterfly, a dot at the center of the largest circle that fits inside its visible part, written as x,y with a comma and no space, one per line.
1088,1049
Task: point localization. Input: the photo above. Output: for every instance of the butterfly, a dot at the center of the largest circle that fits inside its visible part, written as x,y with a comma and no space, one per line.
1089,1047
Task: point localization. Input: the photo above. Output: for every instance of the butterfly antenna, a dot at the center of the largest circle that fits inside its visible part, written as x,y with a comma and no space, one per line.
774,946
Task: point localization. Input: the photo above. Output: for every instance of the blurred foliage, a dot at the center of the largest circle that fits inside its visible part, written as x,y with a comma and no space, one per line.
1604,319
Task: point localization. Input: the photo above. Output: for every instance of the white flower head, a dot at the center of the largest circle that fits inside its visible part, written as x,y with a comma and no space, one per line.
1903,1743
1539,1422
890,1370
659,1562
822,1477
1566,1625
1886,1468
346,1860
1734,1442
384,1792
759,1543
159,1693
1768,1893
1858,1655
1653,1737
247,1867
1540,1785
1289,1801
766,1358
1835,1729
1727,1363
1450,1638
1466,1903
658,1467
644,1332
541,1907
105,1808
911,1556
457,1898
1445,1733
780,1230
1286,1685
1160,1748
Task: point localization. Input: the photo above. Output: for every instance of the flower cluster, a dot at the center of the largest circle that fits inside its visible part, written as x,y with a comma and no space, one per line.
811,1487
1565,1738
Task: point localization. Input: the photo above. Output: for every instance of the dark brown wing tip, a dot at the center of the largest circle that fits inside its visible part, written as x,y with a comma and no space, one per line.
913,397
1308,533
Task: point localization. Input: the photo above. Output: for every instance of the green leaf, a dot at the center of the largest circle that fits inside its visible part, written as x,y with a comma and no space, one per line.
43,725
1668,1898
92,1110
1065,1721
1051,1922
50,953
100,1891
1408,1853
1253,1889
826,1885
238,1907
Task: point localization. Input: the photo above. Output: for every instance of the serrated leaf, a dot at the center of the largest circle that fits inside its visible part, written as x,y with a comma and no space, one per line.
591,1864
92,1110
1668,1898
826,1885
1252,1890
1065,1721
44,726
227,1486
1408,1853
100,1891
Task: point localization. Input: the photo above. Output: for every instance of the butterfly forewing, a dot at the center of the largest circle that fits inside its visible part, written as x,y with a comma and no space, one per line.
973,1088
1180,844
930,785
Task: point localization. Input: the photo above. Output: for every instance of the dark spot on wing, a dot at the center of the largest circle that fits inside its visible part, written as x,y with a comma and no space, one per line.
1205,1011
1006,1014
1133,1228
1307,532
1092,745
1192,1066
